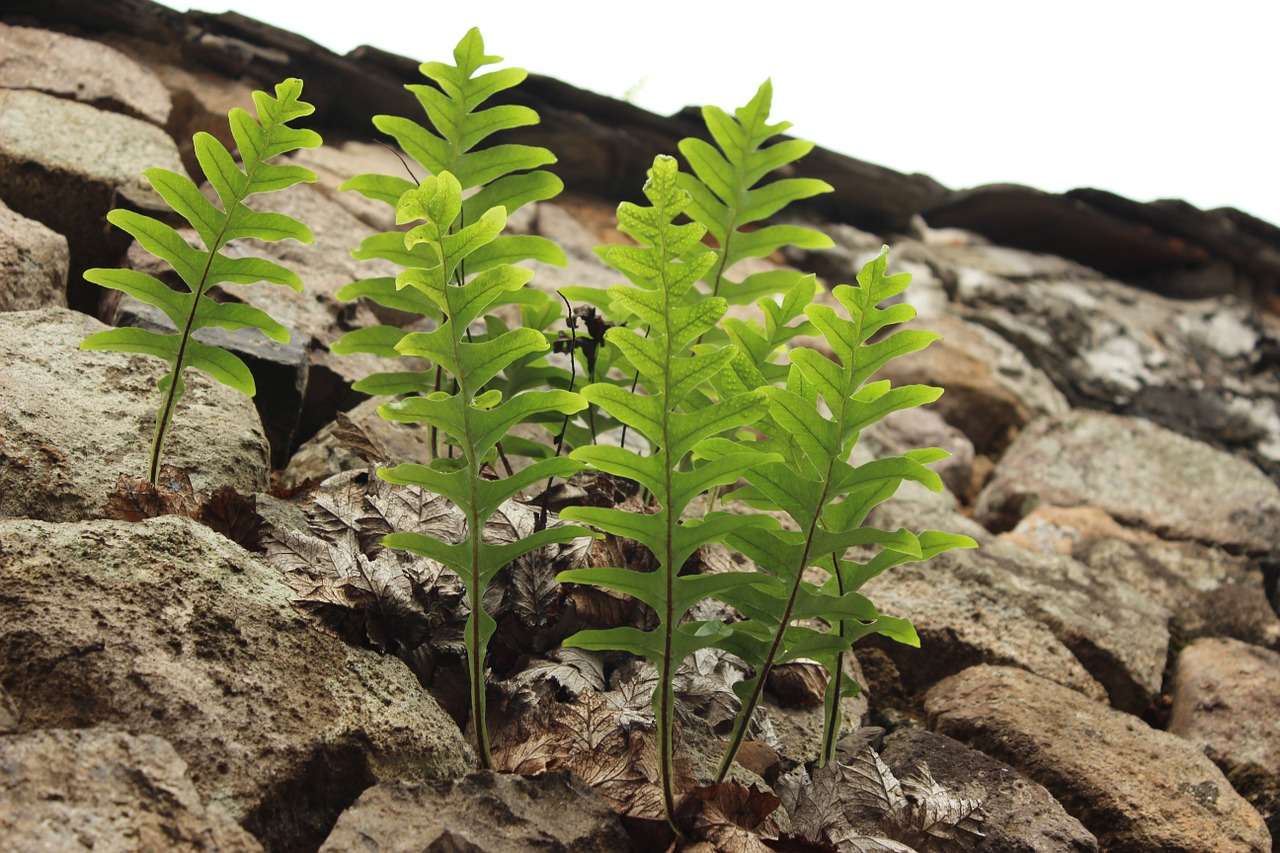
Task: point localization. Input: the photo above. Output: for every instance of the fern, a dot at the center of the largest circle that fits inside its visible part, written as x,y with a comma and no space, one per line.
828,498
258,140
726,198
474,419
507,176
663,269
728,201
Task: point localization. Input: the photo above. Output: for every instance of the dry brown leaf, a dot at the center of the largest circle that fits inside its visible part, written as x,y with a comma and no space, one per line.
574,670
798,683
235,516
226,511
347,433
932,819
862,807
730,817
704,682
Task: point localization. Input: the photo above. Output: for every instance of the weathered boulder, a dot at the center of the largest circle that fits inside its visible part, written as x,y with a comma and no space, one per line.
166,628
1225,699
33,264
1115,632
915,428
991,390
1210,593
1141,474
481,813
279,369
106,789
962,622
66,164
1167,245
1020,816
1198,368
72,421
82,70
1135,788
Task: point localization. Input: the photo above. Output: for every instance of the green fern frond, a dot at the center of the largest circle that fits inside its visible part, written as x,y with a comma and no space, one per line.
507,176
259,140
474,419
828,498
727,197
663,270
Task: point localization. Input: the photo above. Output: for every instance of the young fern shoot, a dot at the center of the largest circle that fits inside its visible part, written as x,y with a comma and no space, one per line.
828,498
475,419
507,176
259,140
728,203
662,270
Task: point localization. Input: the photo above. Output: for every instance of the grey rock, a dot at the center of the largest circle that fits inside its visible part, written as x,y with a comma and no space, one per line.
1135,788
106,789
1225,698
481,813
339,160
166,628
924,427
991,390
839,263
71,421
1210,593
1198,368
66,164
33,264
82,70
1114,631
578,239
1167,245
279,369
1142,474
1020,816
962,622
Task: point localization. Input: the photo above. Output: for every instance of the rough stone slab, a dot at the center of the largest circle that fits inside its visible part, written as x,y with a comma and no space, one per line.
992,391
33,264
167,628
1020,815
81,70
1199,368
1135,788
924,427
1141,474
481,813
106,789
1210,593
279,369
961,623
67,164
1226,700
1117,634
72,421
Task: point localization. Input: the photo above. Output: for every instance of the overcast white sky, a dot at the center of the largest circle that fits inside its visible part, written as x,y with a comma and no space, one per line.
1147,99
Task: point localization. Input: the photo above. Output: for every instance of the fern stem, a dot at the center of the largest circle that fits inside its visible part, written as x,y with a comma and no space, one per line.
165,416
743,720
835,689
